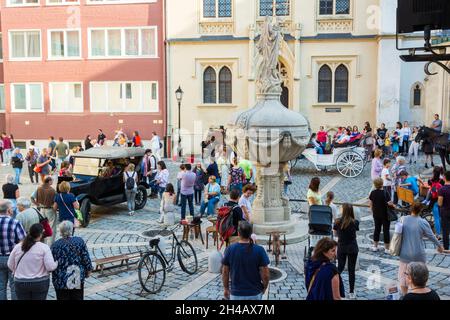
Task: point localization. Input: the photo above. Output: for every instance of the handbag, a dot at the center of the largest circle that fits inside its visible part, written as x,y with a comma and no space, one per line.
395,245
37,169
392,216
76,222
48,232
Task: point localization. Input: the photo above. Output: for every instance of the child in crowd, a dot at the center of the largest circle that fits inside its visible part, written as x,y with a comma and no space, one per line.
395,140
179,177
386,176
387,150
329,202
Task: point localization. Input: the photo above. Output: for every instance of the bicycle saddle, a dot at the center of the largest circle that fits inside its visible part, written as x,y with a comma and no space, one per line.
154,242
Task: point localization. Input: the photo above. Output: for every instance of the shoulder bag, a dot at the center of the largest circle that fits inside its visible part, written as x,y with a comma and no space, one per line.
395,245
76,221
48,232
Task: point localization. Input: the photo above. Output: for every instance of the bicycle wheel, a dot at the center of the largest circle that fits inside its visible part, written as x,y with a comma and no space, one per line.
152,272
187,257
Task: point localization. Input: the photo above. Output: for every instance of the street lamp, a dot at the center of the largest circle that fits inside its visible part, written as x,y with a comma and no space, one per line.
179,95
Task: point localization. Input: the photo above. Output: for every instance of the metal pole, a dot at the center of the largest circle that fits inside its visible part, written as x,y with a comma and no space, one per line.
179,129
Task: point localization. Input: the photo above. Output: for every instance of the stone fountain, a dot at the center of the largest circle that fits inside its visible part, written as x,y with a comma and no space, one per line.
269,135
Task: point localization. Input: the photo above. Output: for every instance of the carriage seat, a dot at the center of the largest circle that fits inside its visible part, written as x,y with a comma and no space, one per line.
354,142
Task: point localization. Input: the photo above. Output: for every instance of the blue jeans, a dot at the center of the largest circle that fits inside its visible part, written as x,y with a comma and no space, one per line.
131,196
211,204
161,191
5,276
189,198
7,156
319,150
437,218
18,171
257,297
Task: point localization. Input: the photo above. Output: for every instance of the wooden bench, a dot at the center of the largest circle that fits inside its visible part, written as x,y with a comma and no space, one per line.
123,259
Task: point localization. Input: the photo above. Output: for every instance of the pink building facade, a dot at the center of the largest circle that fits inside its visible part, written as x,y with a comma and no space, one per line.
70,68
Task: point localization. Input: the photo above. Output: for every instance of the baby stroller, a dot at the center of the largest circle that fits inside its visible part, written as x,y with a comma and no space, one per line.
320,226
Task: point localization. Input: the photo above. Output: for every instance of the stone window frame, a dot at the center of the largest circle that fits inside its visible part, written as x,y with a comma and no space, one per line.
352,65
334,15
217,69
288,16
216,18
422,95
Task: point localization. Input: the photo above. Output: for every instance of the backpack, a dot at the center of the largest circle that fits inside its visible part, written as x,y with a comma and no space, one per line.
129,184
435,186
224,225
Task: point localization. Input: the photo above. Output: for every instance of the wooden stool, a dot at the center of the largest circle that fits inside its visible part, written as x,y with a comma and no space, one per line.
212,229
197,231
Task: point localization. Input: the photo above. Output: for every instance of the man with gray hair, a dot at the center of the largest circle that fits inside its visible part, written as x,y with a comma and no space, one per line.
11,233
27,216
417,276
246,263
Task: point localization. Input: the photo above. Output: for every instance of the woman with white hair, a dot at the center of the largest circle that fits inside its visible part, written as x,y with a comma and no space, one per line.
11,191
417,277
397,168
74,264
17,164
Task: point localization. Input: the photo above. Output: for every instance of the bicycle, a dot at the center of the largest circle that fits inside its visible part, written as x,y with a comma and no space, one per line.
153,265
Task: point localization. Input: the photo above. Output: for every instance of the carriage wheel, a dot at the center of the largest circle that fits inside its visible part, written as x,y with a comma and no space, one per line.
350,164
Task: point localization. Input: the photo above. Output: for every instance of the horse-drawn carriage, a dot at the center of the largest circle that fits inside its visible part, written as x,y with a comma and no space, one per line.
349,159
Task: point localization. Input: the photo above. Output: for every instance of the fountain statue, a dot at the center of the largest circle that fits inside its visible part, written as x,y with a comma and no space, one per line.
269,135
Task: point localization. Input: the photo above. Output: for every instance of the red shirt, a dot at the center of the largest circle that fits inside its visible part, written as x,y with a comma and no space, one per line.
322,136
7,143
137,141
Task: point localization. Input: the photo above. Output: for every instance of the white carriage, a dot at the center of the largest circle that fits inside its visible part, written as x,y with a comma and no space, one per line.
349,161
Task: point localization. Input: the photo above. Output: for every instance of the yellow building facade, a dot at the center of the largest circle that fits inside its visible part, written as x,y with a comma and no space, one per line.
329,61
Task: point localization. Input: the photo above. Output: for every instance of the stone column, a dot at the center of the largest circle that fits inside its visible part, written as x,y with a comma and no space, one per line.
270,210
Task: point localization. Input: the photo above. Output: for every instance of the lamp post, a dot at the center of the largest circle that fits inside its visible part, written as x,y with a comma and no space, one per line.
179,95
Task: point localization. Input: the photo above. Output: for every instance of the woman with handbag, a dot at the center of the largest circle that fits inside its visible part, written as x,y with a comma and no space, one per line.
414,229
379,201
67,205
31,262
74,264
31,159
43,164
322,278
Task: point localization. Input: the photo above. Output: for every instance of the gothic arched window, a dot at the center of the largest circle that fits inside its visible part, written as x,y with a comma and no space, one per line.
417,96
225,85
209,86
341,84
325,82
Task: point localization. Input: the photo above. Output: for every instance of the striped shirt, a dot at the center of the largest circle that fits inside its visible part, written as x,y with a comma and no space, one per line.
11,233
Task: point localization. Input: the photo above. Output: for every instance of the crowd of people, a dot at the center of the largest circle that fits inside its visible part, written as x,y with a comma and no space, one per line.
395,142
389,171
30,253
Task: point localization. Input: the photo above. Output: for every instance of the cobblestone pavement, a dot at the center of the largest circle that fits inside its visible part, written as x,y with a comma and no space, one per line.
112,231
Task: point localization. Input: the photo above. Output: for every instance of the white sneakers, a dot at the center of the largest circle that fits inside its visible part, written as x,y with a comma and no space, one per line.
374,249
387,251
352,296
